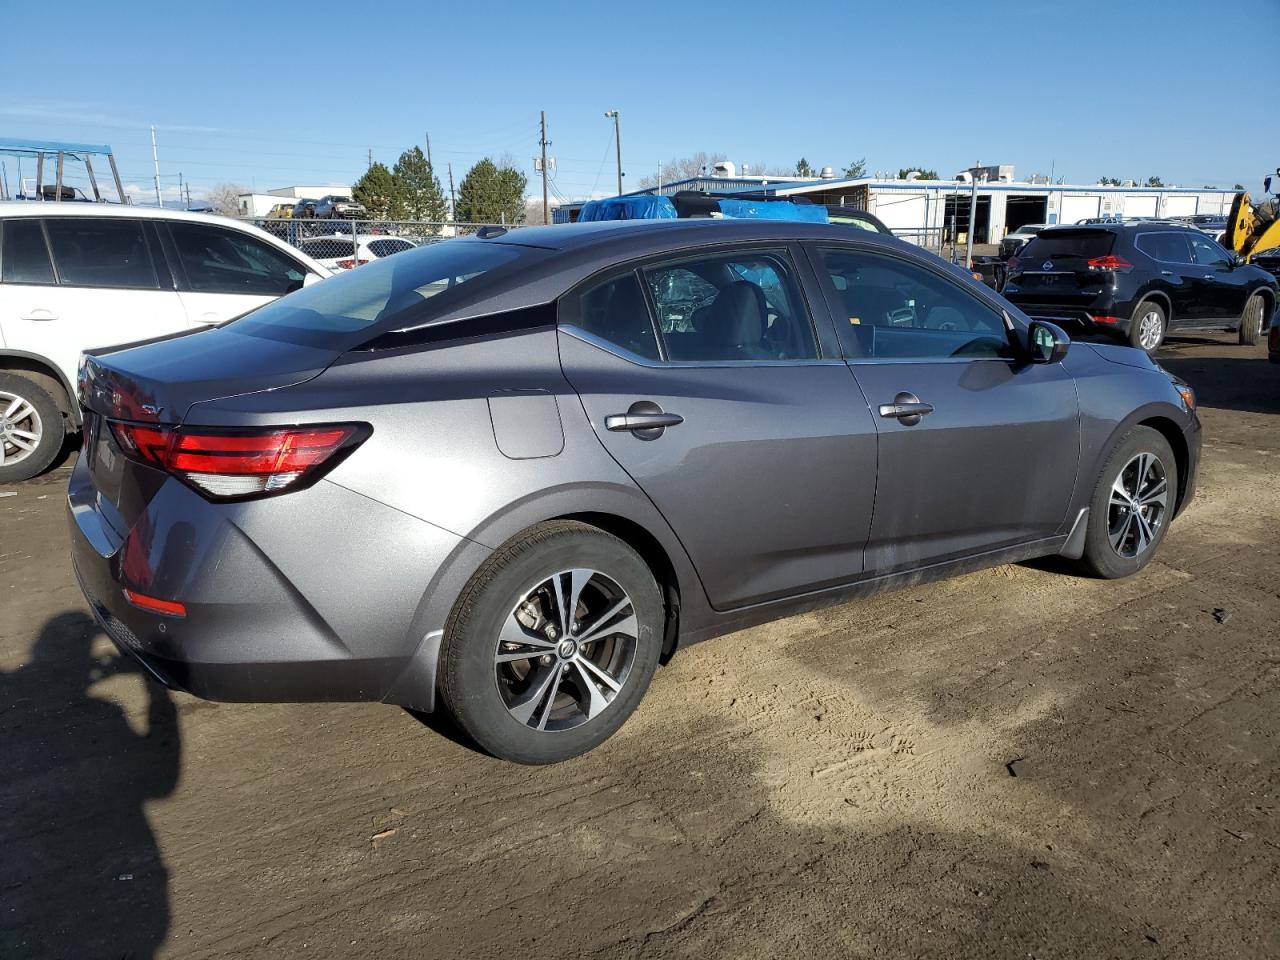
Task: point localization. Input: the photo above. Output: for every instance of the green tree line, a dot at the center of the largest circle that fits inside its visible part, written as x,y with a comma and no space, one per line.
410,190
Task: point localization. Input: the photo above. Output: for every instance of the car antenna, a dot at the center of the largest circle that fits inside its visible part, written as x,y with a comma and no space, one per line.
488,233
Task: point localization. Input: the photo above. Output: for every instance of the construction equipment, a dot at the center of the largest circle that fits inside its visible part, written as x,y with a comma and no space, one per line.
1252,229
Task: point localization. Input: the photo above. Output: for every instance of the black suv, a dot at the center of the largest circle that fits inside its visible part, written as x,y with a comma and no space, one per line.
1137,280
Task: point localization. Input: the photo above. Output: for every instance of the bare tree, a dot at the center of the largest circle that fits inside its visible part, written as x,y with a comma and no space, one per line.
682,168
225,198
533,211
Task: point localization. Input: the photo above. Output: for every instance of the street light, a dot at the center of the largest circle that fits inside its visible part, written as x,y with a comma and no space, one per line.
617,139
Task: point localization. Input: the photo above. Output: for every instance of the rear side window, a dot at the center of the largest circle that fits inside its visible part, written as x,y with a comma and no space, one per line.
616,312
24,258
327,248
385,248
1069,245
218,260
742,306
101,252
1167,247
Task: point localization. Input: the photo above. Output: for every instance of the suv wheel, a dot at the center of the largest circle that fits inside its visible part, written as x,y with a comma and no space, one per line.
1146,331
31,430
1251,320
1132,505
552,644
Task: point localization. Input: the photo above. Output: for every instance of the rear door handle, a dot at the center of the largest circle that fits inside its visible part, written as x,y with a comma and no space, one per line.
1210,276
644,419
906,408
1166,273
41,314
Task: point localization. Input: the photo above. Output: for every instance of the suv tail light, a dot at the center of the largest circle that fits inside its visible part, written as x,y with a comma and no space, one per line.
238,464
1110,262
348,264
1013,265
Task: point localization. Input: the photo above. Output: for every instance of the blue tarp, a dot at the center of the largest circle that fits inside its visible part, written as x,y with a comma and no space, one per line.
773,210
628,208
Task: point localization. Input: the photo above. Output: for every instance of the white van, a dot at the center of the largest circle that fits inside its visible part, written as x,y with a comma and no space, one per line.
75,276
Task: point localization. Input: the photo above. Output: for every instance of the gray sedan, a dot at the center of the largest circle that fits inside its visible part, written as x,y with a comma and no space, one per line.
508,475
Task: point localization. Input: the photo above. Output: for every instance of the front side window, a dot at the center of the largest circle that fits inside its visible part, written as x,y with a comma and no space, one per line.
742,306
101,252
1207,252
1166,247
615,311
24,258
894,309
218,260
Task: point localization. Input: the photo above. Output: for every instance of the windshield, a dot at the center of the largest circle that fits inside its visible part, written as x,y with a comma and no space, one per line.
381,293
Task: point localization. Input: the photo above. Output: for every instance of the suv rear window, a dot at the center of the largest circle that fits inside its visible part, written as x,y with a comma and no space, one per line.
24,258
1069,244
383,295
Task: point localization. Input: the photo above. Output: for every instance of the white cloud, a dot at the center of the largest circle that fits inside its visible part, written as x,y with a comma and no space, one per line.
78,114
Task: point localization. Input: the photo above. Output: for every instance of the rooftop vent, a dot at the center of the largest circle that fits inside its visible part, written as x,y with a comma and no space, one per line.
827,174
724,168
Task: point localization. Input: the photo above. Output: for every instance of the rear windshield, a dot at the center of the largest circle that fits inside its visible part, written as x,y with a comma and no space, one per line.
327,248
1066,244
382,295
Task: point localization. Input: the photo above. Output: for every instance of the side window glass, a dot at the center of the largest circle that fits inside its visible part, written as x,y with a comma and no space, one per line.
732,307
218,260
1166,247
101,252
615,311
1207,252
25,256
897,310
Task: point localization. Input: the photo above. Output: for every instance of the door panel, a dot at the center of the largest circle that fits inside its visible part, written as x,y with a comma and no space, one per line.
768,481
994,464
1222,288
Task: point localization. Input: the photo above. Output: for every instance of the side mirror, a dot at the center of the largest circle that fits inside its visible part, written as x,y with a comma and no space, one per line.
1049,342
1236,261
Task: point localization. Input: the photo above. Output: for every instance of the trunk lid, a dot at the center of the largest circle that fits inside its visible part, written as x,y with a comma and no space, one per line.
1053,267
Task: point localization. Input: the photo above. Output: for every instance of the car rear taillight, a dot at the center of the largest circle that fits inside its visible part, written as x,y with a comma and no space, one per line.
348,264
236,464
1109,262
1013,266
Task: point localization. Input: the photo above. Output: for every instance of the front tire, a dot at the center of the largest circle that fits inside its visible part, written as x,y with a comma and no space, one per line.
31,428
552,644
1251,320
1132,505
1147,328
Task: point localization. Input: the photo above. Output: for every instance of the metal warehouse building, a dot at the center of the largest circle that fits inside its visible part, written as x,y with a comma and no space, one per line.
941,207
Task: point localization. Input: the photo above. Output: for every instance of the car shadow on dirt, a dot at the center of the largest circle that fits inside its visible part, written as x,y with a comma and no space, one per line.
1228,383
83,874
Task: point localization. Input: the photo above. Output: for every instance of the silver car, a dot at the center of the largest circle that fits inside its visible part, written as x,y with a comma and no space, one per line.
508,475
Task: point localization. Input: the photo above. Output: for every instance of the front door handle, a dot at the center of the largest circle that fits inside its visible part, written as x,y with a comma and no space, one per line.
1210,276
1166,273
40,314
906,408
644,419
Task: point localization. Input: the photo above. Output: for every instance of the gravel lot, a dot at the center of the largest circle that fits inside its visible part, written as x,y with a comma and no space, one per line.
1017,763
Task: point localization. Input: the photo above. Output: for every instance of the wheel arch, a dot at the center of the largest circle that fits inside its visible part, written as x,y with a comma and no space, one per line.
1160,297
1269,298
1177,440
46,374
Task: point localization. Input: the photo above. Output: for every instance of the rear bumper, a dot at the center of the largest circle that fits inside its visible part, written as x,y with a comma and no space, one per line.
283,603
1079,319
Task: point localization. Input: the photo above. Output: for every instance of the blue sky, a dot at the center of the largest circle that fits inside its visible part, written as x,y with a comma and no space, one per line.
270,94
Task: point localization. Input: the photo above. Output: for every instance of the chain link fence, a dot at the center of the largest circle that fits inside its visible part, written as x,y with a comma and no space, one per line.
340,243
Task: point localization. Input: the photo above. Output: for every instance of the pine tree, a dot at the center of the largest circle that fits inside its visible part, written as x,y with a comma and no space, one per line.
803,169
376,189
492,194
418,195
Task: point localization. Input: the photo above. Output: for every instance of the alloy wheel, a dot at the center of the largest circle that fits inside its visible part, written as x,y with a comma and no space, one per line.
1150,328
21,428
1138,505
566,650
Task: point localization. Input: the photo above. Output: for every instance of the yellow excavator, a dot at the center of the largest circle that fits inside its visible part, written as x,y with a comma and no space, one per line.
1252,229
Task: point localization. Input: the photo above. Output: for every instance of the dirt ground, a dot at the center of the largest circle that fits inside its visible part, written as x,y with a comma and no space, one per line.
1017,763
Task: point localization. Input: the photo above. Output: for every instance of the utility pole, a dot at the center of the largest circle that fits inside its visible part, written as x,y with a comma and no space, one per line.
453,201
188,196
179,186
155,158
429,163
370,166
973,215
617,142
546,207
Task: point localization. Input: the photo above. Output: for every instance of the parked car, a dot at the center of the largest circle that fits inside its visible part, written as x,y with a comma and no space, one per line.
339,206
336,253
78,276
506,475
1137,281
1016,240
1215,225
304,209
280,211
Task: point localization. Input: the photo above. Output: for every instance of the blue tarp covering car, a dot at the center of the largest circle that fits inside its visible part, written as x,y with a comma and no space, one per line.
773,210
628,208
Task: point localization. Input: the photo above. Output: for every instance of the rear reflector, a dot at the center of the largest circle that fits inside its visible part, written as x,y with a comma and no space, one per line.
1099,318
234,464
168,608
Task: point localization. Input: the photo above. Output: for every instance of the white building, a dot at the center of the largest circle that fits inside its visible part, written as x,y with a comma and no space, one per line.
311,193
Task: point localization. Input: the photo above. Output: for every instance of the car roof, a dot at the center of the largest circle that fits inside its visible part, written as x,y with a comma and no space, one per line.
1124,225
52,208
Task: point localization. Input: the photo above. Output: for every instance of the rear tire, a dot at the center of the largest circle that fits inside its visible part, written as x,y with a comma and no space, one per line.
31,428
1147,328
1132,505
531,685
1251,320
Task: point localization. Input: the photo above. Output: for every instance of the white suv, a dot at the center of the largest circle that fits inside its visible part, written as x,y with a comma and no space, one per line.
75,276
